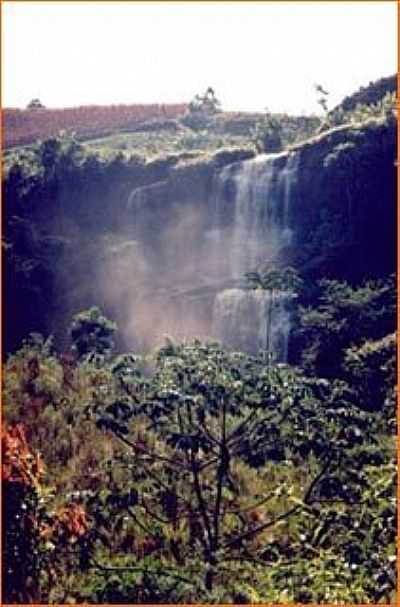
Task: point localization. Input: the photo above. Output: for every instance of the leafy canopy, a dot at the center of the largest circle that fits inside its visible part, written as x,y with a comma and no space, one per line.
92,333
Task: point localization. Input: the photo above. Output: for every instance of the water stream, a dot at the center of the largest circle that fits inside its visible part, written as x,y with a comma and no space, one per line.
185,275
260,192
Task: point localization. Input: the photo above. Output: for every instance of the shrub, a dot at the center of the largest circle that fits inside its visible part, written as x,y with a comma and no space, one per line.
92,333
22,473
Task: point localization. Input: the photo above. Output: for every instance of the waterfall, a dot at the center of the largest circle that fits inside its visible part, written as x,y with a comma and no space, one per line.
287,178
251,215
242,317
184,275
259,193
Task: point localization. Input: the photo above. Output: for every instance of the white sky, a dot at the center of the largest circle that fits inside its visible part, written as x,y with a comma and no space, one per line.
254,54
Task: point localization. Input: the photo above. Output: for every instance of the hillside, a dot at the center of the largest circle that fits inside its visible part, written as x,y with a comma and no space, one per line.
168,128
146,130
22,127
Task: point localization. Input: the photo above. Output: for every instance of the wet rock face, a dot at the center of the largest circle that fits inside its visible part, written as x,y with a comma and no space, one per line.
344,207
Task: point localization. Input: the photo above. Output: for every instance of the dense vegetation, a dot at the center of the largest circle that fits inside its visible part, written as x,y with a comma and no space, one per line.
197,474
371,94
193,473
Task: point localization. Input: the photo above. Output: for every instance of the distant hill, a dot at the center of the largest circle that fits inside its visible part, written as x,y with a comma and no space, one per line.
21,127
138,126
366,95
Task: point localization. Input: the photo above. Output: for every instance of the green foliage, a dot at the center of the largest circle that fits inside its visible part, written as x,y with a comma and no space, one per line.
92,333
49,395
244,124
371,368
56,158
345,317
212,416
370,94
383,109
270,278
209,477
207,103
268,134
202,110
377,101
205,475
59,155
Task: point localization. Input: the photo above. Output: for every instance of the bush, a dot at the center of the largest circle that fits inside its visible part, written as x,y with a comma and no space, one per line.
267,135
371,368
22,473
210,477
92,333
344,316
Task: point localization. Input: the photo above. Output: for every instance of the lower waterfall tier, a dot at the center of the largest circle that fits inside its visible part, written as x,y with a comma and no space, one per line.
253,320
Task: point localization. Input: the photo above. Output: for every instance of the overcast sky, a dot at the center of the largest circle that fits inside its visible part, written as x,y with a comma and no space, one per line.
255,55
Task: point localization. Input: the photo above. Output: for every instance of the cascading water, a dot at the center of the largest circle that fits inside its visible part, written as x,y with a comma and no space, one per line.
260,192
288,178
187,257
253,320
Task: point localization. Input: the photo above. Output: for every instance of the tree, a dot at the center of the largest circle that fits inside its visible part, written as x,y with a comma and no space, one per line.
344,316
207,413
217,480
49,153
323,97
267,134
371,368
92,333
272,279
207,103
35,104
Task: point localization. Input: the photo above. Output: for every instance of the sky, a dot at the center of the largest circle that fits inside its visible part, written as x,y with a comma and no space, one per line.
256,55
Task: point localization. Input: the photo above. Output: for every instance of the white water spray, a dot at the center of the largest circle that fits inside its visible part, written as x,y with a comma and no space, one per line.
262,190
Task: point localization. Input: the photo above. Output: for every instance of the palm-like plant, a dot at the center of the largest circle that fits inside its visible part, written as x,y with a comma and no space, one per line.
286,280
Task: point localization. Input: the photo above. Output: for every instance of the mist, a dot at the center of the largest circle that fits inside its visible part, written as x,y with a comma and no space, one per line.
166,266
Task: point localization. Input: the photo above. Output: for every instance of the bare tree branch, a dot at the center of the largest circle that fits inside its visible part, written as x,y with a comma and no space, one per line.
200,499
151,454
256,530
